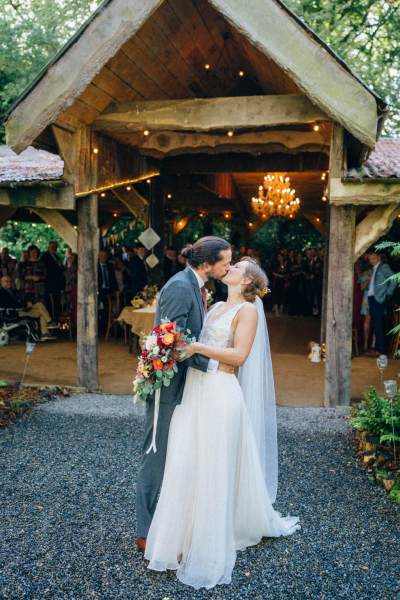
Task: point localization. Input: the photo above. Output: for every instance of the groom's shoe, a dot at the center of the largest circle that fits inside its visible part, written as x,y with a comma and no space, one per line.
141,544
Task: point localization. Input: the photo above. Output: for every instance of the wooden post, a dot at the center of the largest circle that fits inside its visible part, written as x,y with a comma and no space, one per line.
339,306
325,281
157,223
88,246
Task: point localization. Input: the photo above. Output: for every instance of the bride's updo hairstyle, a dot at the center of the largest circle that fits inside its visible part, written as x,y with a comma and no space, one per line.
259,280
206,250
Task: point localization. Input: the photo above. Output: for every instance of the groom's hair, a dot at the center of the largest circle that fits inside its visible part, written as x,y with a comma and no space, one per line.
206,250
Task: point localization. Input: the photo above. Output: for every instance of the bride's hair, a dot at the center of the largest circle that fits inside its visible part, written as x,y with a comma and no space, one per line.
259,280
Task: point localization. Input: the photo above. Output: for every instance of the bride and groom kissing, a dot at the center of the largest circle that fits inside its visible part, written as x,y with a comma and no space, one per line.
208,488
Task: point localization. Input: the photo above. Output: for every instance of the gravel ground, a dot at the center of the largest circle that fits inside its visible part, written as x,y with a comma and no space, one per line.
67,522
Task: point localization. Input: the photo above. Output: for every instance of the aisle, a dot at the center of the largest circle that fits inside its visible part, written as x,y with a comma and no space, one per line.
67,520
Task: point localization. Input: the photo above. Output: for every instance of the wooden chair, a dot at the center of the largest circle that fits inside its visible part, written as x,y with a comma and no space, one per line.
114,309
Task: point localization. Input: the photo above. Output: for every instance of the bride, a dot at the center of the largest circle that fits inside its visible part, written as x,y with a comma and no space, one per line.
216,496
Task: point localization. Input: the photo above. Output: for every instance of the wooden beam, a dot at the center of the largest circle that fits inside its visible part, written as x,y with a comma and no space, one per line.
71,71
60,224
38,197
170,143
363,193
103,163
6,212
373,226
326,82
88,246
208,114
231,163
339,307
134,202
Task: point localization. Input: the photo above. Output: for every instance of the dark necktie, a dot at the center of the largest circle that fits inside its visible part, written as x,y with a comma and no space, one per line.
204,296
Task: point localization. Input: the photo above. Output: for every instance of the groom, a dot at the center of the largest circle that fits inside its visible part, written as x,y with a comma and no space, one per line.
182,299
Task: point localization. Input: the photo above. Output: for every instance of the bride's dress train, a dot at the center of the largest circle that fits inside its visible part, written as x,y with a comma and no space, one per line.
213,499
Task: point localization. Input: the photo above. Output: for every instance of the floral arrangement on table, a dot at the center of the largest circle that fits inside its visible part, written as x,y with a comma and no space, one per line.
377,424
145,297
157,363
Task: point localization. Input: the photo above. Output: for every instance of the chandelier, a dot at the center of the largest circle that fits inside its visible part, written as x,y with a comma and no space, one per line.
276,198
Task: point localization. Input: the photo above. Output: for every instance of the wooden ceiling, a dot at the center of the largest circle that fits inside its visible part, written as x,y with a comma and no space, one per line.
167,58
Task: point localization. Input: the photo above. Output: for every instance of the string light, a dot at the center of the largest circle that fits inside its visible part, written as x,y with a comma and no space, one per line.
324,198
146,132
103,194
128,188
227,215
230,133
241,73
95,150
316,127
323,176
317,220
115,214
169,196
148,180
207,66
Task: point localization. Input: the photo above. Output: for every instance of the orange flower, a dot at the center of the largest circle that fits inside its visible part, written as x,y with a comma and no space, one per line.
168,339
167,326
158,365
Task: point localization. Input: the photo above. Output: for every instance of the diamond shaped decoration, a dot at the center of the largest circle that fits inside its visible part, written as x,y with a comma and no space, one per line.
149,238
152,261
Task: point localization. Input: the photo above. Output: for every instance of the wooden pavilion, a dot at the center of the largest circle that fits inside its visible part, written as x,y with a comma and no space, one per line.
197,100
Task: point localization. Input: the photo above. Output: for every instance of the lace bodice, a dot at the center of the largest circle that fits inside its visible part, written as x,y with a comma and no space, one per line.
217,327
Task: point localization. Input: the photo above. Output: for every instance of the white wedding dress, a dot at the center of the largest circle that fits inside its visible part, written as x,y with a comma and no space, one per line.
213,499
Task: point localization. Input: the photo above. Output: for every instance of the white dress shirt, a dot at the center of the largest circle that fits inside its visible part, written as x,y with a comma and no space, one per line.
212,363
371,289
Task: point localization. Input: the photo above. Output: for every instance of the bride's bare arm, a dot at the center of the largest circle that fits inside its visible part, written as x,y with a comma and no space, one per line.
245,331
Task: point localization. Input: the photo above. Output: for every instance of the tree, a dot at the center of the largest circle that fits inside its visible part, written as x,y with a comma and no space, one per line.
366,35
31,33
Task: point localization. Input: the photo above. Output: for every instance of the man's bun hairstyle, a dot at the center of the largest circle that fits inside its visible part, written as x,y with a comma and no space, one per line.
206,250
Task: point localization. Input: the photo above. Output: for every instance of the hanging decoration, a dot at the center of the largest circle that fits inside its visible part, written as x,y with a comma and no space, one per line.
275,198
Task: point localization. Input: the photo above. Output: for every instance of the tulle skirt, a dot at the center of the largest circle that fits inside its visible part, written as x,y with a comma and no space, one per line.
213,500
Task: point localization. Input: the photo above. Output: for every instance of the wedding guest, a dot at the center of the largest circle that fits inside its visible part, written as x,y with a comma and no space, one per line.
181,262
8,264
33,273
280,281
55,280
296,292
379,292
122,278
170,263
71,286
137,271
9,299
364,279
107,285
67,253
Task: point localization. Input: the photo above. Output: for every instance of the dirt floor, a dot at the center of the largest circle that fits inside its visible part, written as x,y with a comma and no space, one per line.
298,382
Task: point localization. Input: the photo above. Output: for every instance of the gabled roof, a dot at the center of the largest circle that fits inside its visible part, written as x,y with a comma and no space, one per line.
268,25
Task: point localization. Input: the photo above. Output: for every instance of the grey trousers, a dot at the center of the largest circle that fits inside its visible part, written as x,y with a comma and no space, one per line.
151,470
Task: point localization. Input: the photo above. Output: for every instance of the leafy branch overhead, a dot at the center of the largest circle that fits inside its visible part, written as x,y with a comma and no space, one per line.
365,33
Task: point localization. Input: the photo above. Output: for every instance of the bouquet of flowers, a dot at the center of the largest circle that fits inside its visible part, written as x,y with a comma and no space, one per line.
157,361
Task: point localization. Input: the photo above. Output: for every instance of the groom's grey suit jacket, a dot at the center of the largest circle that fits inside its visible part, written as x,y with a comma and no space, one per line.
180,300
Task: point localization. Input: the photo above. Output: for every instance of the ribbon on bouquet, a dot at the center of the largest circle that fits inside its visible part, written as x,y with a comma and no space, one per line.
153,445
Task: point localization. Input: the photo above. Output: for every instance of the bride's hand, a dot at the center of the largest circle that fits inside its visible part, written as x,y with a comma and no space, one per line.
188,351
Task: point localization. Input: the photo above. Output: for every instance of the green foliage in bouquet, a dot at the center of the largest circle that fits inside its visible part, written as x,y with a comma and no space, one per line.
375,416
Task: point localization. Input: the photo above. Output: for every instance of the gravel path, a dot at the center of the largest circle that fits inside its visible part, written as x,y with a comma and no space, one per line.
67,523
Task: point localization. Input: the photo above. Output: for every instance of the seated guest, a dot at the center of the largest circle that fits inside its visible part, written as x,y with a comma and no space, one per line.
33,273
137,271
107,285
379,292
55,280
9,299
